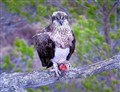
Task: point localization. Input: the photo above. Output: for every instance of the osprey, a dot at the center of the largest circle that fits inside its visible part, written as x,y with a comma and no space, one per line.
56,43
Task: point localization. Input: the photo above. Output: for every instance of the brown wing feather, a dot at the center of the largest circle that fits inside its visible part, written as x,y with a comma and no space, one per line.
45,48
72,48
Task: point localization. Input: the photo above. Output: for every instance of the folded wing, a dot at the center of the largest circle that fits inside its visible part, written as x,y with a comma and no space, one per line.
45,48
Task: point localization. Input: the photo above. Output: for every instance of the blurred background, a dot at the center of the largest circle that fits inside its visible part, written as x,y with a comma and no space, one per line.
96,24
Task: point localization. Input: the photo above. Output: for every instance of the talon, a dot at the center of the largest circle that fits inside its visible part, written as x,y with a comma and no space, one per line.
57,73
69,66
56,69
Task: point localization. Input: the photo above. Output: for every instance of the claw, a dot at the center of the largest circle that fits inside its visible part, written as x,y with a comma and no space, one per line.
59,68
56,69
69,66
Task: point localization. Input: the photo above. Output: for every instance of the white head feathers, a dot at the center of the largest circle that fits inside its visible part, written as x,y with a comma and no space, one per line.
56,12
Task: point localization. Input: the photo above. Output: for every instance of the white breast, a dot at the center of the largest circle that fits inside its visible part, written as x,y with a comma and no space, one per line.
60,55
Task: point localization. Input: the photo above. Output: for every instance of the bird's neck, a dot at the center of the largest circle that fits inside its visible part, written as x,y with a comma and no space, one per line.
61,28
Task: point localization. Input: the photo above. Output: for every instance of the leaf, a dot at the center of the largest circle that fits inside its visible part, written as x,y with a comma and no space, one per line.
41,9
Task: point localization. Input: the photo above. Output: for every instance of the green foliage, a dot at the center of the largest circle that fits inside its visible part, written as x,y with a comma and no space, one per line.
91,43
31,90
41,89
91,84
107,89
25,52
116,35
88,38
6,63
23,48
87,84
104,73
41,10
115,82
22,51
58,86
32,10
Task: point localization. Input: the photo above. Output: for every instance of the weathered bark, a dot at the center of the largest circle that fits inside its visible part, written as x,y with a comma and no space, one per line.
18,82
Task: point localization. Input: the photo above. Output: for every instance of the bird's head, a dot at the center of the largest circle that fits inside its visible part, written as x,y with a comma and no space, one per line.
60,18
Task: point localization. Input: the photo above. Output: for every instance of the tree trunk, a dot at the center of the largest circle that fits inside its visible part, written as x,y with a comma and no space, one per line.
107,29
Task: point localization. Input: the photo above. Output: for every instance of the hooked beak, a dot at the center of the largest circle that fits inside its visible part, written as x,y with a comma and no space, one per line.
60,21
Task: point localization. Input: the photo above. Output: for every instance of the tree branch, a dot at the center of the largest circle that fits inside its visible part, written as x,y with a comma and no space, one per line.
113,7
18,82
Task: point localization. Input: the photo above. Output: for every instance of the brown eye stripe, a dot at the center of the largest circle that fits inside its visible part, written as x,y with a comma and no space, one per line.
66,17
54,18
61,17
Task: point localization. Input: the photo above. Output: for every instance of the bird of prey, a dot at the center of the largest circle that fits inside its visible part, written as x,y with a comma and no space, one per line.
56,43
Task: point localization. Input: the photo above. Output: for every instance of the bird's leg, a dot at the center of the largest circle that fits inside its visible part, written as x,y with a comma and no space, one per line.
56,69
69,66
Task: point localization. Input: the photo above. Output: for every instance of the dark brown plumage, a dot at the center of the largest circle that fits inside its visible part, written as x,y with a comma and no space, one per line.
45,48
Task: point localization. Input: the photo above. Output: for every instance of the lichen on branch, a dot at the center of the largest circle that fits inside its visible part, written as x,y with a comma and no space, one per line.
18,82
